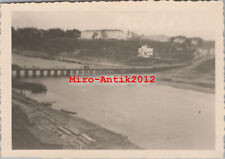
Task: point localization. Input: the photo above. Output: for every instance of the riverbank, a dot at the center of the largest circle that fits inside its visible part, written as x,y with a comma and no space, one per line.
30,86
36,126
198,76
182,83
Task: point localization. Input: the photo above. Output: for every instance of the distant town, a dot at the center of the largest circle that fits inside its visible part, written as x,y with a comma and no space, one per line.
56,41
107,34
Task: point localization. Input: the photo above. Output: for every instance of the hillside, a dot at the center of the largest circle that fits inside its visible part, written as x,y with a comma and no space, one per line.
200,73
56,43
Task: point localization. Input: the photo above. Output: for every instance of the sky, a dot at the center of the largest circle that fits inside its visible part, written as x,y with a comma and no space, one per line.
192,23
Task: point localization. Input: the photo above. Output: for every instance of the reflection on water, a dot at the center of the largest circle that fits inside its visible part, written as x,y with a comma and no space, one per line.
152,116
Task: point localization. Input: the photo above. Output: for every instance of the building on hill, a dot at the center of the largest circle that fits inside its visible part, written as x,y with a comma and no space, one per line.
183,40
179,39
106,34
182,44
145,52
196,41
178,44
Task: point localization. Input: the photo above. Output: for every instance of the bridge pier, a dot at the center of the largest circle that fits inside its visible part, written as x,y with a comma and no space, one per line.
75,72
67,72
26,73
64,73
34,73
85,72
82,72
71,72
51,73
54,72
16,73
41,73
48,73
99,72
79,72
93,72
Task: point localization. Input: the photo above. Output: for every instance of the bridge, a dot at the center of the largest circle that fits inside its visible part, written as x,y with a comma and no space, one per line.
57,72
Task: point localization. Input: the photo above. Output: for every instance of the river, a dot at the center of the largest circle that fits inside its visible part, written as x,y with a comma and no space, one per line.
41,63
153,116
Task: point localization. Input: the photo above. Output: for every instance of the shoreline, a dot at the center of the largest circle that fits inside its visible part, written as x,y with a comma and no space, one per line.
178,79
46,127
187,85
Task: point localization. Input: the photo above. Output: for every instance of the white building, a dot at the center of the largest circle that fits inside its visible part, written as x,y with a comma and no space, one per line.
145,52
106,34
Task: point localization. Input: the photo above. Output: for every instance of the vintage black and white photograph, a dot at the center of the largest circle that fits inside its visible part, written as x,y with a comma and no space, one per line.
164,63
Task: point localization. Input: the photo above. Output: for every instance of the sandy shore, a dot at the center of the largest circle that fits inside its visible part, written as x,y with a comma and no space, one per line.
36,126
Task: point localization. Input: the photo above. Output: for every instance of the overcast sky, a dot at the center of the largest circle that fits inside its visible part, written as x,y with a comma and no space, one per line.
198,22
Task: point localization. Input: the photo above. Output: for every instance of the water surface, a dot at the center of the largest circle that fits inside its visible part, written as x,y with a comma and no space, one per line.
25,61
152,116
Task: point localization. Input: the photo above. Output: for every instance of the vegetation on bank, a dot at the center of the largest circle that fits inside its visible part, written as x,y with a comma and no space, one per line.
33,87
